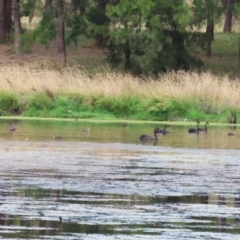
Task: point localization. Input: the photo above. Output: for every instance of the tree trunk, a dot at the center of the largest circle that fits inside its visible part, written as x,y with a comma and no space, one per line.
239,60
127,53
2,20
100,41
48,5
210,35
17,26
8,16
61,33
228,17
5,19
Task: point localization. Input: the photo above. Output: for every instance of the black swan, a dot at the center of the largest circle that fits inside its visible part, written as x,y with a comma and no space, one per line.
203,129
11,128
194,130
145,137
164,131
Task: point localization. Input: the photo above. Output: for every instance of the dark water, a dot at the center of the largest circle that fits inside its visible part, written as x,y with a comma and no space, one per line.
105,184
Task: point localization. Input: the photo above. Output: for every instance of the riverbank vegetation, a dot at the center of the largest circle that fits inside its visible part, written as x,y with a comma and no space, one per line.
103,94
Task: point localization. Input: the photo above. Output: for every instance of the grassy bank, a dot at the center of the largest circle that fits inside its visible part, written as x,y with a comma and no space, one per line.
71,93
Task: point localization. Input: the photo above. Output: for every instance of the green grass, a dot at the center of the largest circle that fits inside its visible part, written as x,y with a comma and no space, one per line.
224,58
132,104
111,108
8,101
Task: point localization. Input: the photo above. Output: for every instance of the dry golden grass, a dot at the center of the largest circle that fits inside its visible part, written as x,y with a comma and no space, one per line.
204,87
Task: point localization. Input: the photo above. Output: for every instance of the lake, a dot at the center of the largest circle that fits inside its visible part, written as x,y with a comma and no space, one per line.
100,182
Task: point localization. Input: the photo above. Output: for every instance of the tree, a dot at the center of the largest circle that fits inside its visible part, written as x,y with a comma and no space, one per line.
228,16
47,5
52,26
5,19
151,35
2,20
209,11
128,19
239,59
61,33
17,25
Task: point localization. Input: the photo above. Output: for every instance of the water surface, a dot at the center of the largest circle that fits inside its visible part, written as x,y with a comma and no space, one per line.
106,184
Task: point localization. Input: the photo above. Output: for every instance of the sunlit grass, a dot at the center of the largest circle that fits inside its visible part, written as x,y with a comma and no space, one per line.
180,85
69,92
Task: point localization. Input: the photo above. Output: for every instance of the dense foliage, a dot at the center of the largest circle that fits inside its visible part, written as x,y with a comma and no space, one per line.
141,36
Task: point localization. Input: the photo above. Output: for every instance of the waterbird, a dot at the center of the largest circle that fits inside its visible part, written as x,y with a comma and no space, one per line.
12,128
60,220
16,111
203,129
231,134
164,130
145,137
57,137
86,130
95,227
194,130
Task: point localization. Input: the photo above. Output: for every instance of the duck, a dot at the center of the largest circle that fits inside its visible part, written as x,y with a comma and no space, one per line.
194,130
145,137
12,128
232,134
164,131
57,137
203,129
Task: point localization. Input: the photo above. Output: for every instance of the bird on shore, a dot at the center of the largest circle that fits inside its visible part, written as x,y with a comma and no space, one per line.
194,130
145,137
57,137
12,128
205,128
16,111
164,130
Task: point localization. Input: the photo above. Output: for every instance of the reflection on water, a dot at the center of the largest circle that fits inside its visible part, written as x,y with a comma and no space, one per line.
107,185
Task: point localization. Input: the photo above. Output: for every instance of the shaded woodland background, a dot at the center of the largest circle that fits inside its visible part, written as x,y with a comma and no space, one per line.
141,37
